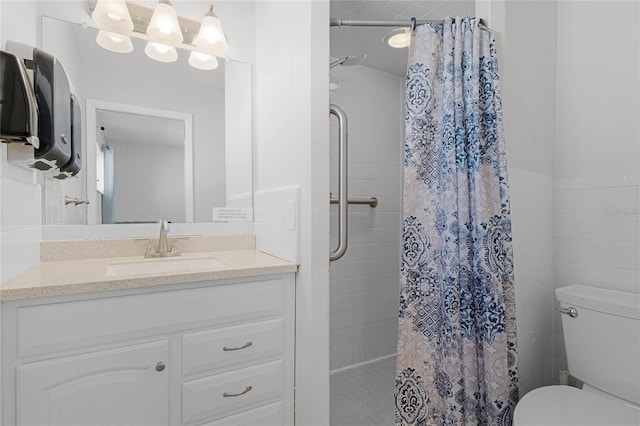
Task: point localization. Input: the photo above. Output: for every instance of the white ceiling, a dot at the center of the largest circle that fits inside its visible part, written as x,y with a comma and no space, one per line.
143,129
354,41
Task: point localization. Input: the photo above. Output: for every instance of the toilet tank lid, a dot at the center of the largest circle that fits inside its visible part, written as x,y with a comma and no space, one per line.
564,405
614,302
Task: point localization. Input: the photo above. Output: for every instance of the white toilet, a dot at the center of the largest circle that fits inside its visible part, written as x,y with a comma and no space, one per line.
602,336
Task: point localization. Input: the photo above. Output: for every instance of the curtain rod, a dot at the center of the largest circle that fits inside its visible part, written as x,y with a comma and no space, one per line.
339,22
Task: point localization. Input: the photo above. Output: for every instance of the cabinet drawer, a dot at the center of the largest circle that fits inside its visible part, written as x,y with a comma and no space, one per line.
50,328
225,394
269,415
231,346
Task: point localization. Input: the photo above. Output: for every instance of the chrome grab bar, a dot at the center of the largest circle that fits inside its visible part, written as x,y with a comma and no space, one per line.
371,201
343,186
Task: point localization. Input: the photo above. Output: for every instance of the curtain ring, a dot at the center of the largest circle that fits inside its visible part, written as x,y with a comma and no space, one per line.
413,24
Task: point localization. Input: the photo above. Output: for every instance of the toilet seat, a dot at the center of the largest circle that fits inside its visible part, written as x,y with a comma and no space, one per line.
568,406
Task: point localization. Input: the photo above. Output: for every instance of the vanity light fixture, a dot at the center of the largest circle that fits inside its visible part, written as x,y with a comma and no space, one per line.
114,42
112,15
163,29
164,26
210,36
398,38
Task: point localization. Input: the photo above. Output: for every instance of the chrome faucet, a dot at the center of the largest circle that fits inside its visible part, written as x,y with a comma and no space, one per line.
162,240
165,248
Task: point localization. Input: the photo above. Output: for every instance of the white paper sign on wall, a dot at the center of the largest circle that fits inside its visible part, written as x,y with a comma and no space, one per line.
232,214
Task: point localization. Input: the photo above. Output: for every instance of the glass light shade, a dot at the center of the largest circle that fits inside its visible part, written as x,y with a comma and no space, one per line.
112,15
161,52
164,26
211,36
203,61
114,42
398,38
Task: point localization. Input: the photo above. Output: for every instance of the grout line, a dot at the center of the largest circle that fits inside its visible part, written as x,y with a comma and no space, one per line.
362,364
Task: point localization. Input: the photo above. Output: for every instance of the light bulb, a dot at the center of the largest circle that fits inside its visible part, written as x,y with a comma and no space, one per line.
203,61
161,48
161,52
114,17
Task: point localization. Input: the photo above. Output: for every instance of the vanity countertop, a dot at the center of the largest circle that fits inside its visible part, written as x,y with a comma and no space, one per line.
76,276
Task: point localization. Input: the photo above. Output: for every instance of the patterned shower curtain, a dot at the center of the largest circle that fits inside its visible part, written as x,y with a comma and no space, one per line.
456,360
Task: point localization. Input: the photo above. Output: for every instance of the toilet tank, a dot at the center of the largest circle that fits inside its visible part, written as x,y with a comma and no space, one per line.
603,341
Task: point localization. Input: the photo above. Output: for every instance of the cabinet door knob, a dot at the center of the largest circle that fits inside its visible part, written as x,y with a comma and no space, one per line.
230,395
160,366
246,345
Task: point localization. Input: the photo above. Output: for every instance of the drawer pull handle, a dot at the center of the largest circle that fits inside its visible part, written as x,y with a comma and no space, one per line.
160,366
246,345
231,395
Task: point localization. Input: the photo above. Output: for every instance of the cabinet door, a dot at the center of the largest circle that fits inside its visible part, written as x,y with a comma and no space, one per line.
124,386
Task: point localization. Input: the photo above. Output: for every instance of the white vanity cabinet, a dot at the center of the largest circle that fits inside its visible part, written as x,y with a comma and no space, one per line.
214,353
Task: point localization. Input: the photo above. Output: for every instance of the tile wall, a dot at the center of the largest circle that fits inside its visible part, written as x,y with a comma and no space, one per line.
365,282
597,239
597,153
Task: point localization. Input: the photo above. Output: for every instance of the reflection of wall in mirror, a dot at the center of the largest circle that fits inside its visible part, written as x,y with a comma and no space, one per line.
159,188
64,44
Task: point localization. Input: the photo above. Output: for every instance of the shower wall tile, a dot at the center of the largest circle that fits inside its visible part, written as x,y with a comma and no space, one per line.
365,282
597,239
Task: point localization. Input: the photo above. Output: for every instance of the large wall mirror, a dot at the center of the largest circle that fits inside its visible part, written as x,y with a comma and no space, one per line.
161,140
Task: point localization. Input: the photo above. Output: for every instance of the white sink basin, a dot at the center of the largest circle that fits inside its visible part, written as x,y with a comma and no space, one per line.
165,265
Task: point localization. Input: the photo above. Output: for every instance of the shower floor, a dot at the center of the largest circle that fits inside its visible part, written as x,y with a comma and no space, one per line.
363,395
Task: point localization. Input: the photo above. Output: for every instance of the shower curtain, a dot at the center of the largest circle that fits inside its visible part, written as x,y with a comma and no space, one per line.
456,361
